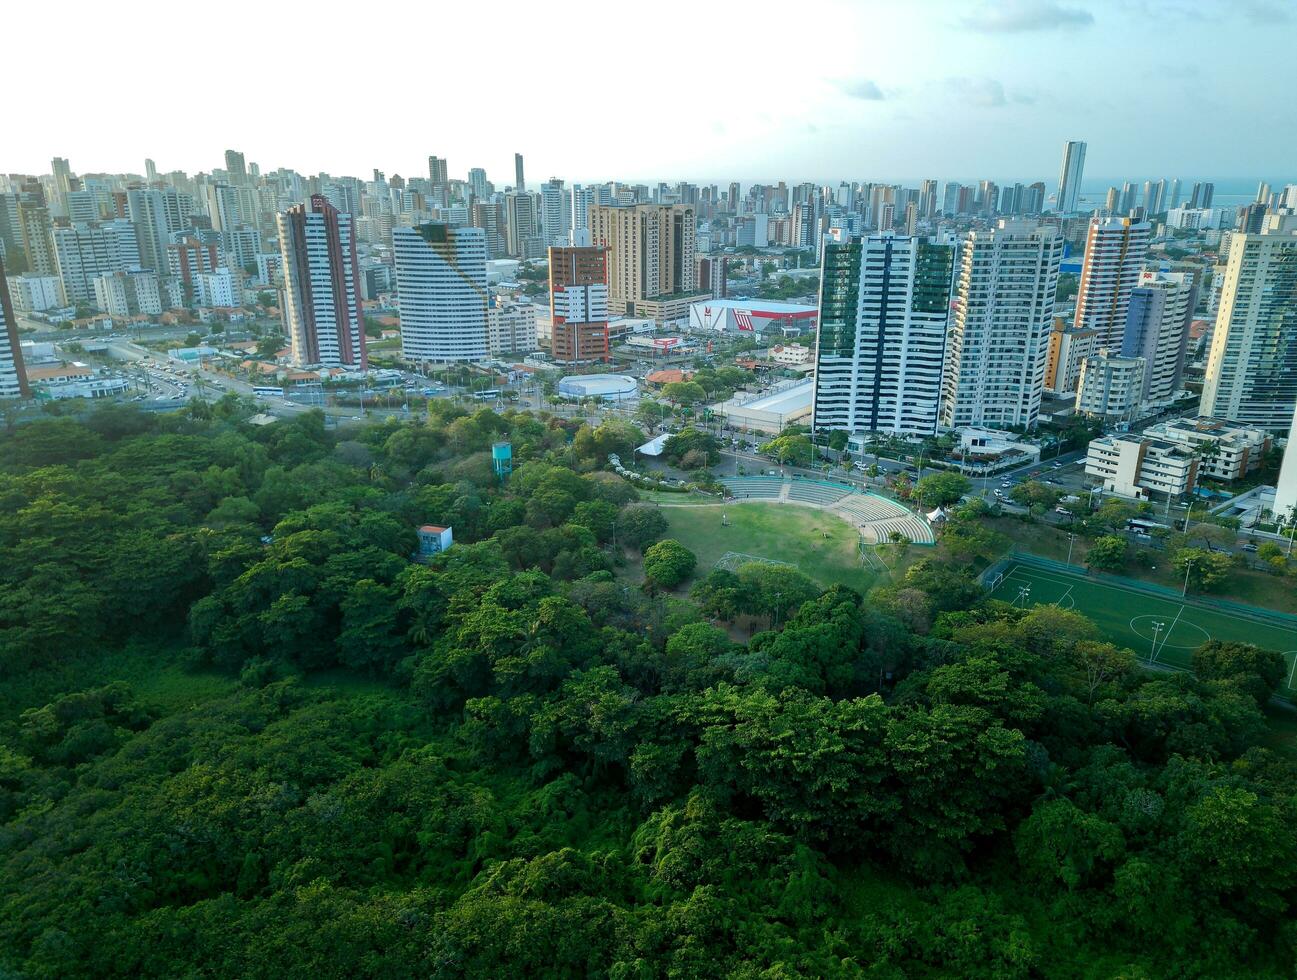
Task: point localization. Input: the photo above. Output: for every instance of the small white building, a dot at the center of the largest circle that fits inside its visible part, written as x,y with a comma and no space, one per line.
35,294
1238,449
791,354
1135,466
433,540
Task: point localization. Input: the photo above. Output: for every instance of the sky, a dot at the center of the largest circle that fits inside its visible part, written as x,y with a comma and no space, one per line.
703,90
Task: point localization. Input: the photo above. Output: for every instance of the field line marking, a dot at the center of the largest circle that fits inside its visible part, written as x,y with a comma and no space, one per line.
1293,670
1059,600
1169,630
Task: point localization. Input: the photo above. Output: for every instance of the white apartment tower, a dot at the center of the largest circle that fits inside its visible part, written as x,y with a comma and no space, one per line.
1069,176
1114,259
1252,367
322,308
13,377
1003,313
442,292
1157,329
880,344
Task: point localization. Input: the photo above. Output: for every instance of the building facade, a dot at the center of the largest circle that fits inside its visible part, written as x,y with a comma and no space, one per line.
1069,177
578,304
1226,450
1003,313
880,346
1137,467
13,375
651,254
1114,259
442,292
1252,367
1111,386
322,301
1157,329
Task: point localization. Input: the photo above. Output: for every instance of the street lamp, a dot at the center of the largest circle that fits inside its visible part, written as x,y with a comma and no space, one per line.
1157,628
1187,566
1071,538
1024,593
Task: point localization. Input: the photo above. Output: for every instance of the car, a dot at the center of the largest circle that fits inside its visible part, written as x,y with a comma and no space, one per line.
999,492
1058,465
1250,546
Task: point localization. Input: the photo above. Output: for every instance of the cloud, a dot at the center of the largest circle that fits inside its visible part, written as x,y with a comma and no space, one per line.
985,93
865,89
1021,16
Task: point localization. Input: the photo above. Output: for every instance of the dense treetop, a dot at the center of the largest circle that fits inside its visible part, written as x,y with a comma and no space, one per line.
243,734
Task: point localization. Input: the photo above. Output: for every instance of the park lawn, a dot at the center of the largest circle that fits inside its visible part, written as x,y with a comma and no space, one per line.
820,544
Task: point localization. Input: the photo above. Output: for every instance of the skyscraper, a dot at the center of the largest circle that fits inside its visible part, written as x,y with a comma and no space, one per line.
1252,368
35,231
150,170
1069,176
578,304
519,181
88,250
522,237
1114,258
556,218
157,216
652,267
322,308
1157,330
884,310
1003,312
477,182
235,167
1202,195
582,199
438,171
442,292
13,376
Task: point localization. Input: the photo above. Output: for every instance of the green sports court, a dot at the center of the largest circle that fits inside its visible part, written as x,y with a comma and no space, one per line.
1158,625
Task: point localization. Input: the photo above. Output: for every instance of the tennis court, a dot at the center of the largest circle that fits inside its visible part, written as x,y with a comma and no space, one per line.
1161,629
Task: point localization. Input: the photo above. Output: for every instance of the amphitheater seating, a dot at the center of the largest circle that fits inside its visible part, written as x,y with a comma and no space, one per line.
877,517
755,487
816,493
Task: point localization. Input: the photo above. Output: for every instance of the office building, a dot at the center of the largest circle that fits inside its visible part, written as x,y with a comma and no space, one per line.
442,292
652,266
1252,368
322,301
1157,329
578,304
13,375
1110,385
880,347
1004,309
1114,259
1137,467
1069,177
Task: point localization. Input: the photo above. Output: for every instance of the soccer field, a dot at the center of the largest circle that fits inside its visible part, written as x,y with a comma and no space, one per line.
1160,629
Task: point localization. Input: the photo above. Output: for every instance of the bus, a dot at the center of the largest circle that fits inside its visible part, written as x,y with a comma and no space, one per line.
489,395
267,391
1141,526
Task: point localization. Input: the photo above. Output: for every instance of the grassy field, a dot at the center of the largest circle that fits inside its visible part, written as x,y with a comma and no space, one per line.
1160,630
823,546
1253,587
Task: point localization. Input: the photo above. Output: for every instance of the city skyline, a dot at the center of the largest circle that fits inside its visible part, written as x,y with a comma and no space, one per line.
1006,83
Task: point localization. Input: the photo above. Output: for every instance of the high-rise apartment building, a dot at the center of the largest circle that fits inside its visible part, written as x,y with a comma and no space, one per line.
35,231
235,167
490,217
1003,312
582,199
521,226
1114,259
1069,177
652,266
1285,498
89,250
880,348
1202,195
578,304
13,376
1252,368
322,307
519,181
556,217
1157,330
157,216
438,171
442,292
477,183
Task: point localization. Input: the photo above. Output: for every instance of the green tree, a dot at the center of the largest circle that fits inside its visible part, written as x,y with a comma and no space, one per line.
941,489
1201,569
1108,553
667,564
